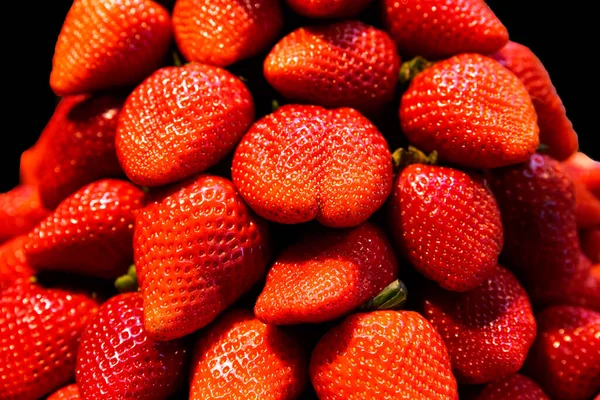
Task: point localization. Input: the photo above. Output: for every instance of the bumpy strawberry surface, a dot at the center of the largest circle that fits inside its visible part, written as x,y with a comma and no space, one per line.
13,263
70,392
20,210
328,8
513,387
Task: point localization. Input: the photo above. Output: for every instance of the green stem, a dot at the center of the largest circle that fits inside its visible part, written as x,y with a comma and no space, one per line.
403,157
275,105
411,68
128,282
177,59
392,297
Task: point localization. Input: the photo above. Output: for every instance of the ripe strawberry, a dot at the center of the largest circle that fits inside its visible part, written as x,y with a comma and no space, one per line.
181,121
305,162
29,171
39,336
223,32
590,244
239,357
513,387
105,44
583,169
587,206
20,210
344,64
383,355
565,358
438,28
197,249
472,110
13,264
90,232
556,131
117,359
328,8
70,392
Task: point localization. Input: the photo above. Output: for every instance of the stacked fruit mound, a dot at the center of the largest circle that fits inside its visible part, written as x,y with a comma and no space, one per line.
332,199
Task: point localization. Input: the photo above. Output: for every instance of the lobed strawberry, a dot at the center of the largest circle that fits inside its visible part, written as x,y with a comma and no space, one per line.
13,263
514,387
20,210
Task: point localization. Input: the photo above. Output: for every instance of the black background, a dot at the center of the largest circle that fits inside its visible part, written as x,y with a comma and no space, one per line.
562,34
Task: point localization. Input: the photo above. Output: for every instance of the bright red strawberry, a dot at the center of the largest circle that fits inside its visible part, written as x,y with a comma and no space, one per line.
556,131
117,359
565,358
20,210
223,32
39,336
344,64
383,355
472,110
583,169
441,28
590,244
90,232
105,44
181,121
326,276
13,263
70,392
198,248
305,162
239,357
513,387
328,8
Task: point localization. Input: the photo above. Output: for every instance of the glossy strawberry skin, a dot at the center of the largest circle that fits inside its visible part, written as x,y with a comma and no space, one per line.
328,8
344,64
118,360
39,336
514,387
239,357
181,121
70,392
197,249
133,37
556,130
223,32
90,232
305,162
473,111
13,263
20,210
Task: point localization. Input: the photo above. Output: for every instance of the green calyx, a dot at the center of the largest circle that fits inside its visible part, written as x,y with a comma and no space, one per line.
392,297
177,58
543,148
411,68
404,157
128,282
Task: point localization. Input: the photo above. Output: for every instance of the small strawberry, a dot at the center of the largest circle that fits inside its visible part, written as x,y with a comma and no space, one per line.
70,392
13,263
344,64
181,121
90,232
39,336
328,8
305,162
239,357
565,358
197,249
105,44
20,210
223,32
118,360
590,244
584,169
513,387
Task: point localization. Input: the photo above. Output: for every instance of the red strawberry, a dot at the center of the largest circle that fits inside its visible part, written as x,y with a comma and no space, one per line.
70,392
20,210
239,357
565,358
487,330
345,64
90,232
181,121
590,243
585,174
197,249
105,44
29,171
13,264
326,276
223,32
583,169
383,355
556,131
587,206
117,359
39,336
305,162
439,28
328,8
471,110
513,387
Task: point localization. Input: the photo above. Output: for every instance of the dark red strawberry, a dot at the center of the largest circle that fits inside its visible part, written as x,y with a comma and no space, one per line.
20,210
590,244
70,392
328,8
513,387
13,263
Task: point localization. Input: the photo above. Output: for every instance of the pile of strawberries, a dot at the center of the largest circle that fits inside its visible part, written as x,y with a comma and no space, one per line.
332,199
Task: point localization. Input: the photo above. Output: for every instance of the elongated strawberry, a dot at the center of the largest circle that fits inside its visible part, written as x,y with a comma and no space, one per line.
90,232
328,8
13,263
70,392
585,170
590,244
514,387
20,210
117,359
181,121
39,336
223,32
105,44
344,64
197,249
556,130
305,162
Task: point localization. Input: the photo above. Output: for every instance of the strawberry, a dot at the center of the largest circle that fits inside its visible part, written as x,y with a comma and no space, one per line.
585,174
223,32
383,355
585,170
326,276
29,170
70,392
590,244
39,336
487,330
239,357
587,206
305,162
513,387
197,249
181,121
13,264
117,359
104,44
328,8
556,131
344,64
20,210
565,358
90,232
439,28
